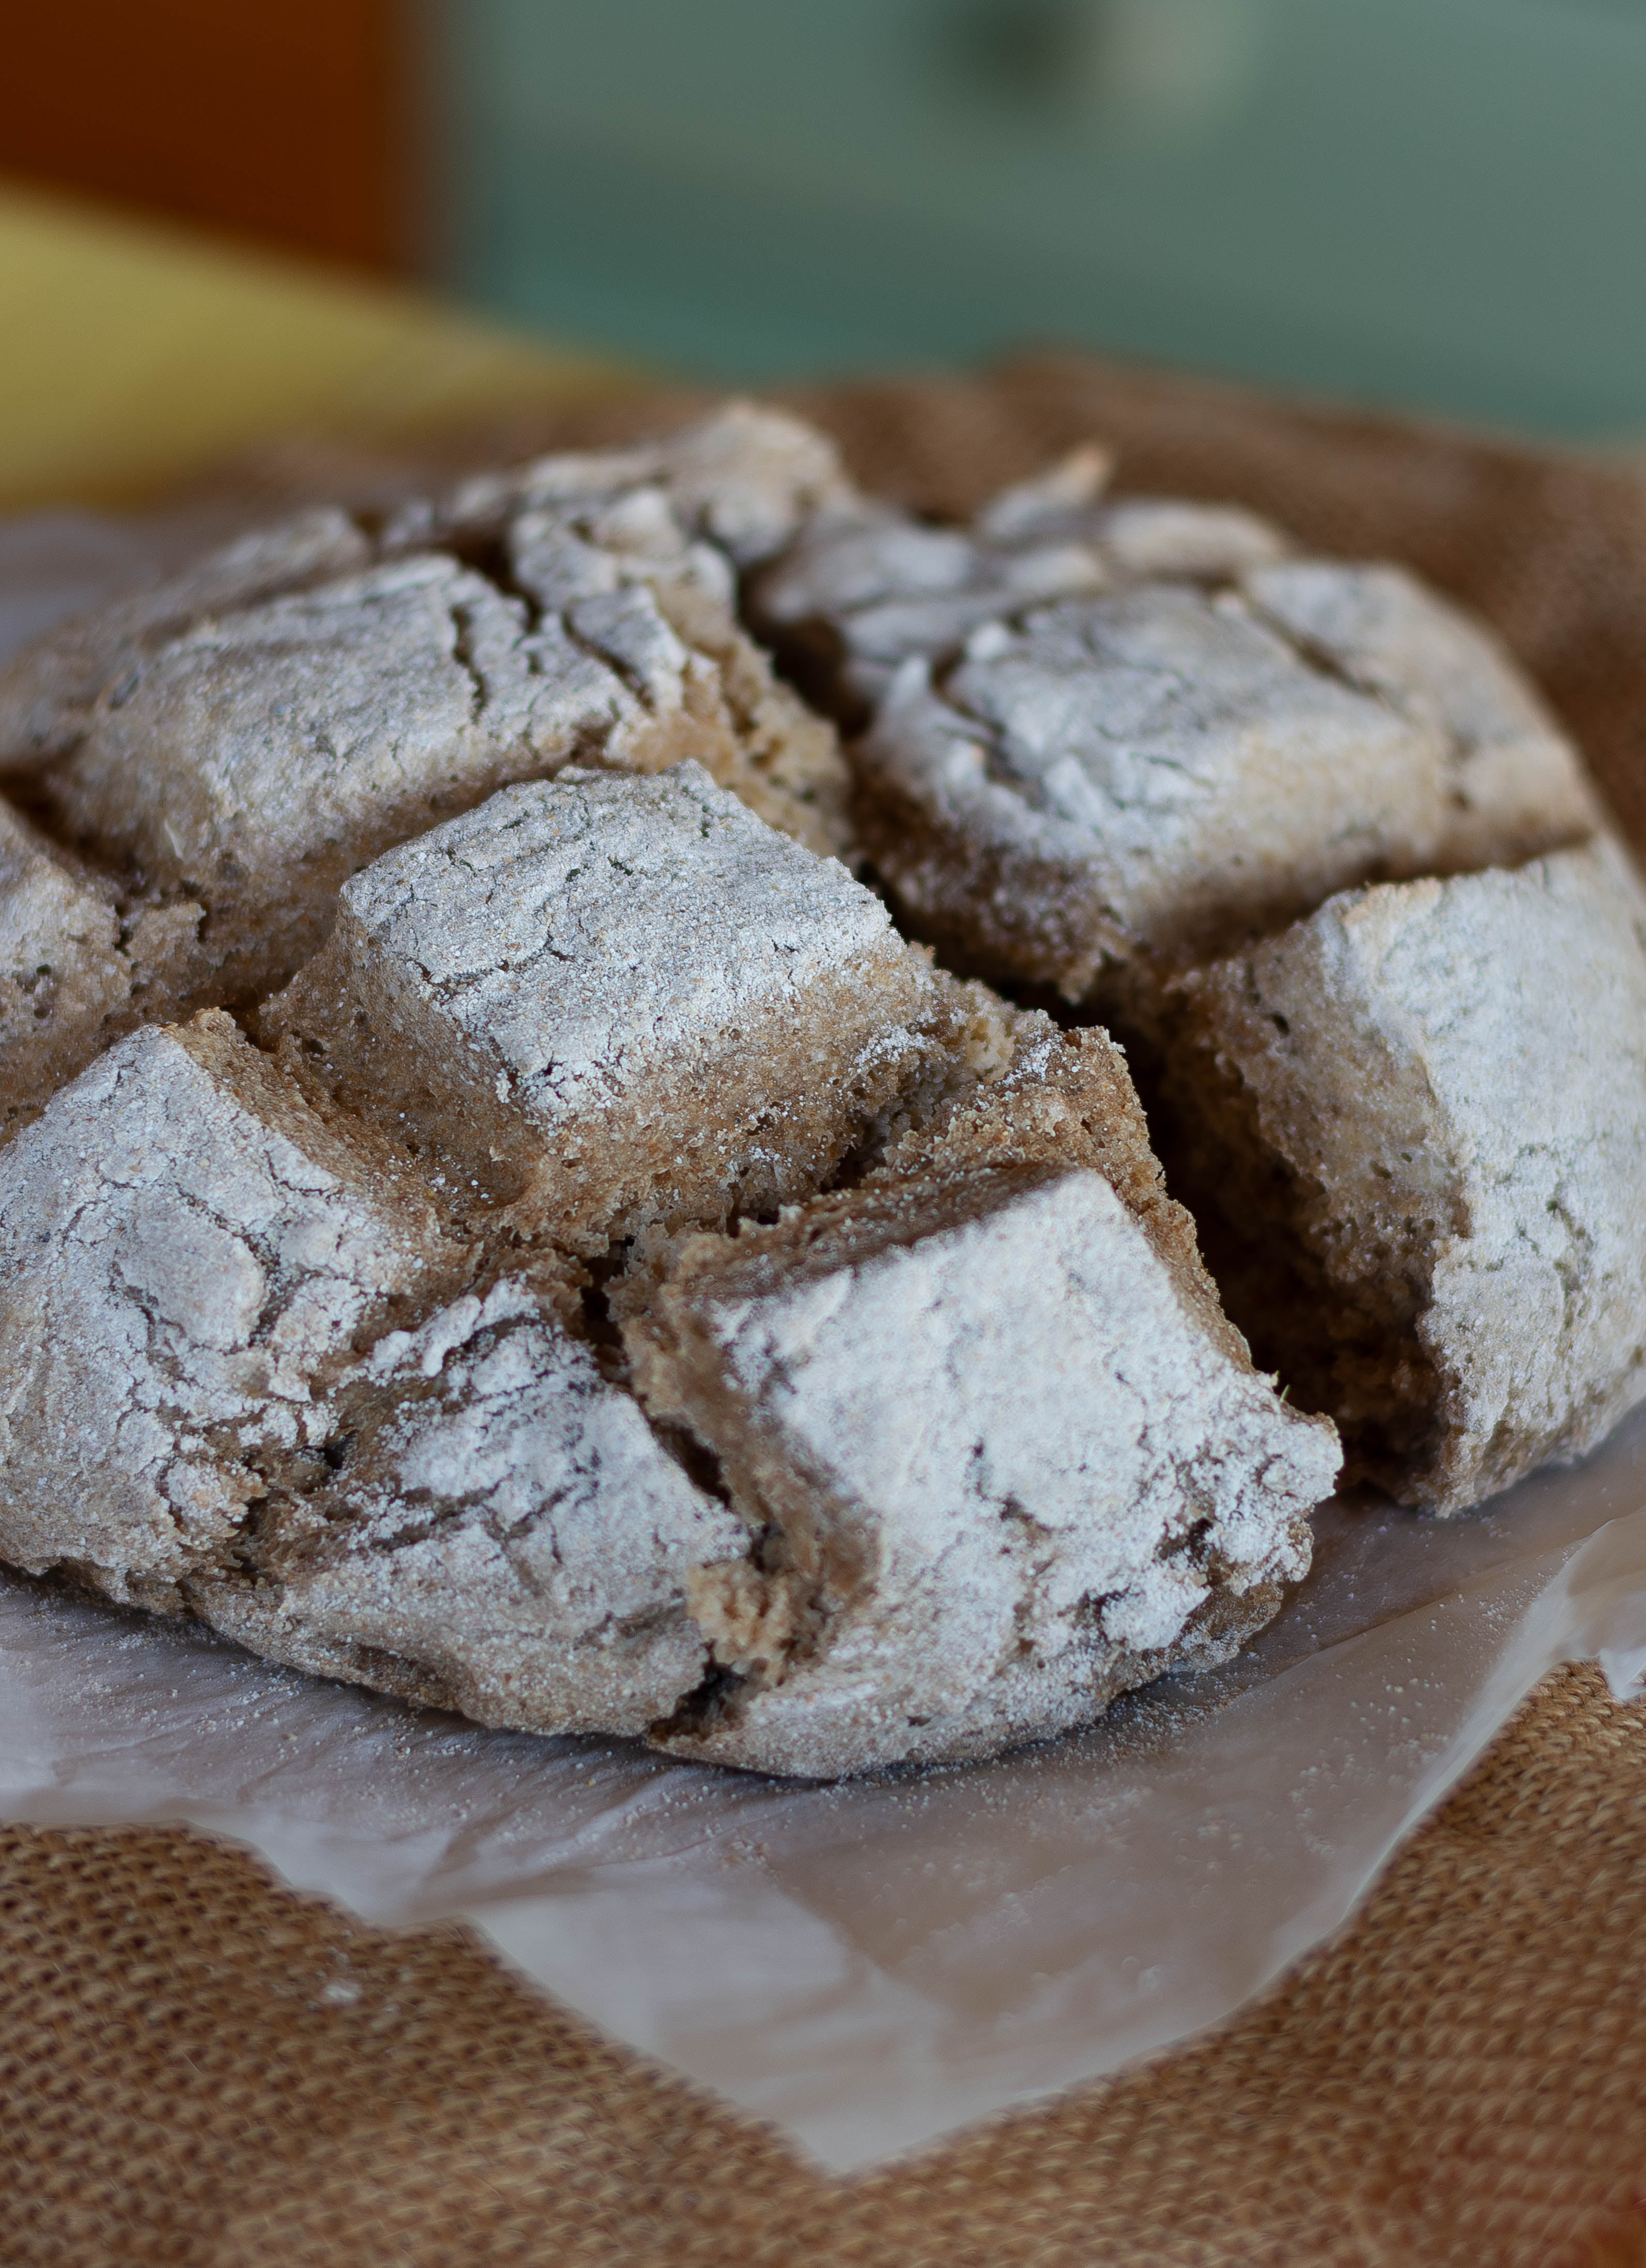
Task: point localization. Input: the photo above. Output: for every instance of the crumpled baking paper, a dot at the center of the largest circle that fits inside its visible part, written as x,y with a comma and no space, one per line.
873,1964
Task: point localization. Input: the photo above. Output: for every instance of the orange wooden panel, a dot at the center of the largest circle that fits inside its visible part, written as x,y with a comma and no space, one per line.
281,123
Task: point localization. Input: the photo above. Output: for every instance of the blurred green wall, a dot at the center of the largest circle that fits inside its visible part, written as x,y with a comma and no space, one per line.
1435,202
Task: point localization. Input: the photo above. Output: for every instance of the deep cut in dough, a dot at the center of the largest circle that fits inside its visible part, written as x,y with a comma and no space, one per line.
1414,1128
663,529
488,1526
257,762
741,480
76,967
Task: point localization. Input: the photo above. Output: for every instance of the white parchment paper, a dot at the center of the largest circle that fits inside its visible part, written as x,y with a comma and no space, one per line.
869,1965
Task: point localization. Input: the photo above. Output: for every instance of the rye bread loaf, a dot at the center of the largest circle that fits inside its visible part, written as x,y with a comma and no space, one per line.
628,1287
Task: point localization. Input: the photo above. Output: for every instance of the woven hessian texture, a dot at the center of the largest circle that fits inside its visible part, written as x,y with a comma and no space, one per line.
201,2069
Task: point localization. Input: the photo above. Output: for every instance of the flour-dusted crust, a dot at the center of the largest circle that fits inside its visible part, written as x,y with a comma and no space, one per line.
256,762
49,691
247,734
489,1524
631,545
1115,782
862,587
736,486
743,481
1514,781
1098,737
606,1001
1106,787
467,1514
996,1469
187,1254
1416,1125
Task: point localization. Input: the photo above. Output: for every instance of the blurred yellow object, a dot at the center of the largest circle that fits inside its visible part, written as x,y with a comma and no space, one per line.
140,356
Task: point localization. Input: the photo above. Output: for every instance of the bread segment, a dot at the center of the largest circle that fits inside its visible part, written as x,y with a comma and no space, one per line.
1102,789
1101,738
996,1467
256,762
603,1002
1115,782
189,1256
1414,1129
639,552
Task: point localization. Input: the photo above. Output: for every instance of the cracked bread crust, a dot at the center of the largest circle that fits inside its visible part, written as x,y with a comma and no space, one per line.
257,761
628,583
650,540
1414,1126
490,1526
1121,786
1114,781
741,480
996,1469
603,1002
188,1254
864,586
49,691
1111,787
1100,737
249,733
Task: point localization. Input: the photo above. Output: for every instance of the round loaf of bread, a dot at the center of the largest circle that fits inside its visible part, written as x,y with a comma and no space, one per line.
494,1207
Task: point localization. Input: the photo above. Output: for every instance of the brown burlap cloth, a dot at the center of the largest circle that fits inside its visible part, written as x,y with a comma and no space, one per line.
202,2068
